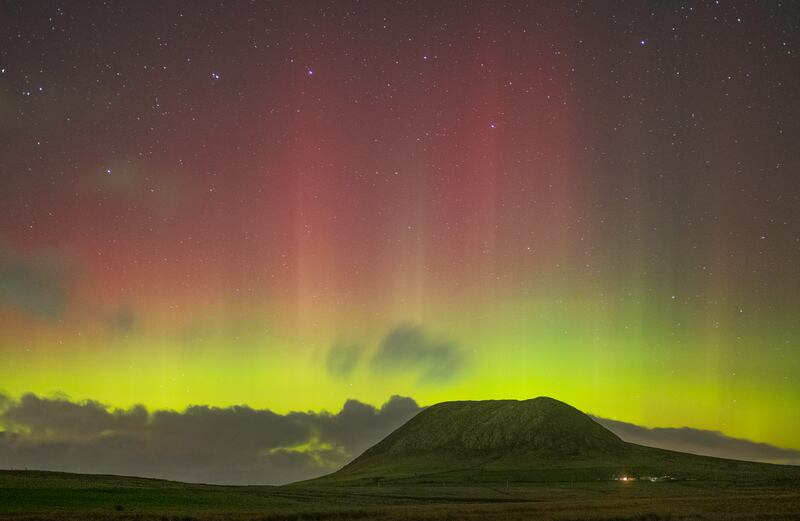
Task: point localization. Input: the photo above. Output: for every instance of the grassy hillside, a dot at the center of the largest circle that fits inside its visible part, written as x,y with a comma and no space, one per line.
532,441
542,425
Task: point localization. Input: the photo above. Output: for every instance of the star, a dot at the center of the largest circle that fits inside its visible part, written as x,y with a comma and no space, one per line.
215,76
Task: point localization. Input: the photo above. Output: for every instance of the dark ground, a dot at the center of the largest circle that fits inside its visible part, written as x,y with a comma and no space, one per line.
46,495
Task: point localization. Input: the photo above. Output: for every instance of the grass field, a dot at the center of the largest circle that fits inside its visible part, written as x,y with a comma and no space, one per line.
46,495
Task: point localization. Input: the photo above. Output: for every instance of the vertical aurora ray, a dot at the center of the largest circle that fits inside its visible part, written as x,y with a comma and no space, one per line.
578,202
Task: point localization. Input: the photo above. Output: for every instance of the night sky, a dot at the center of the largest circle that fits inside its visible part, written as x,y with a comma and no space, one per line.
289,204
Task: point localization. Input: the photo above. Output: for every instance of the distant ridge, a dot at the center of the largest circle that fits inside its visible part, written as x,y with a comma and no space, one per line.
536,440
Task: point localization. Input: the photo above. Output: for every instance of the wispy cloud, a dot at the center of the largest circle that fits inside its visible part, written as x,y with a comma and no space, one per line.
343,359
43,283
409,348
36,283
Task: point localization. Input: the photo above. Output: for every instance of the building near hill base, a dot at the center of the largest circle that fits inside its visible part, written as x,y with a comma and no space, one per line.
653,479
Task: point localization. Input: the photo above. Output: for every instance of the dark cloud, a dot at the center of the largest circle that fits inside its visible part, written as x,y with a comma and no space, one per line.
234,445
703,442
358,426
342,359
62,420
409,348
35,283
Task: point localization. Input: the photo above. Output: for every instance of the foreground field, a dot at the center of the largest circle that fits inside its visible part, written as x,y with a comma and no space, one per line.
47,495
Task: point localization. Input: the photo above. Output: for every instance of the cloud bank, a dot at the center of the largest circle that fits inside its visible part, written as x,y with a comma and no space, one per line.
241,445
234,445
699,441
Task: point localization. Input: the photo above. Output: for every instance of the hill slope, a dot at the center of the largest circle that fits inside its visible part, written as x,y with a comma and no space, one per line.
541,425
538,440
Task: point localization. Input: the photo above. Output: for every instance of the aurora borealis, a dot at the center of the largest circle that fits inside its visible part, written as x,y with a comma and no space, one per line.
291,204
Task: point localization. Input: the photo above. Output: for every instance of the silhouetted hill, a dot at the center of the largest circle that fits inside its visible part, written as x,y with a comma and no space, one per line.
544,426
538,440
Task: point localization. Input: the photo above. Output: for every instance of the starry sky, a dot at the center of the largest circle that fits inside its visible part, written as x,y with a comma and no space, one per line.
286,205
